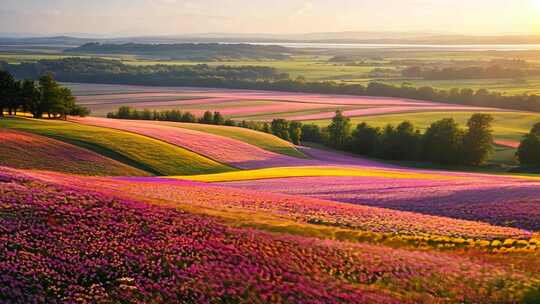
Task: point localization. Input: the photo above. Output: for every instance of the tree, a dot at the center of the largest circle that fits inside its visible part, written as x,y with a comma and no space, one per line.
7,85
478,141
295,132
124,112
339,131
188,117
399,143
407,141
64,104
230,122
49,89
266,128
31,98
280,128
312,133
365,139
442,142
529,150
208,118
218,119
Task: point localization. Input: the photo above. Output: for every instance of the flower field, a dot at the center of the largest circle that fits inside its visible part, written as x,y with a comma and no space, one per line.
497,200
203,197
96,210
147,154
388,110
84,246
28,151
240,103
259,139
219,148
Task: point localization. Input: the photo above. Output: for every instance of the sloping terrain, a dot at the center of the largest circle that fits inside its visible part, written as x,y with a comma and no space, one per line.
151,155
29,151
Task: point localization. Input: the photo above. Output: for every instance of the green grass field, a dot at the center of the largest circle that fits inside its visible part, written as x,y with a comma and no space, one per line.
151,155
317,67
260,139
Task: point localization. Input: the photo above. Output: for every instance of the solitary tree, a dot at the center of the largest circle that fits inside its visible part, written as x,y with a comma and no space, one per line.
339,130
478,141
529,150
295,132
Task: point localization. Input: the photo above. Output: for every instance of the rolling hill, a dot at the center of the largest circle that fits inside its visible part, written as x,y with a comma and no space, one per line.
144,153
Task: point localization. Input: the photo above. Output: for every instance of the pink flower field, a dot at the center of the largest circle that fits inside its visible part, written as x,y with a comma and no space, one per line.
388,110
500,201
61,242
207,196
285,102
29,151
222,149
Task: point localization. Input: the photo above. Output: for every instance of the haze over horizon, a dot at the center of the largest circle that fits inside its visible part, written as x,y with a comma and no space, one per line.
176,17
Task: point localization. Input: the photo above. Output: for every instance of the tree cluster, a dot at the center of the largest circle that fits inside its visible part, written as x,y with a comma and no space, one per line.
125,112
444,142
256,78
44,97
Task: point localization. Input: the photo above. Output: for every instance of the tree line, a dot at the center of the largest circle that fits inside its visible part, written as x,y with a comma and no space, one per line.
45,96
444,142
189,51
287,130
472,72
256,78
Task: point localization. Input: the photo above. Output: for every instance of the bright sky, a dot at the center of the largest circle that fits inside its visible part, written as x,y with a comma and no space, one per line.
166,17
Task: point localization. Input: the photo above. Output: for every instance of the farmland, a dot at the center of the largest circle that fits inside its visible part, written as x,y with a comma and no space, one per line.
509,126
103,210
354,223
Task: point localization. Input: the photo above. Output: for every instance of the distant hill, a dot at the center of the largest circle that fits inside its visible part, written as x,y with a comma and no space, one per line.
189,51
243,38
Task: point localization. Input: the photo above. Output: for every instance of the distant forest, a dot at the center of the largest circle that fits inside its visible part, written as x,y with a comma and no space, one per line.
251,77
189,51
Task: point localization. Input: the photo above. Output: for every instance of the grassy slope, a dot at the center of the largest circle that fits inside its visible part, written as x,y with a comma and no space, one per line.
29,151
138,151
262,140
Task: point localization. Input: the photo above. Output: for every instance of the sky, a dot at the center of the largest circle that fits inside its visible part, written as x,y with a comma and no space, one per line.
113,18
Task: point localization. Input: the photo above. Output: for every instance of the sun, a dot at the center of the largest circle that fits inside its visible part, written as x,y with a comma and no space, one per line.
535,5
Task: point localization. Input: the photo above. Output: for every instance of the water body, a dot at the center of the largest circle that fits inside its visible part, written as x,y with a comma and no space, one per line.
452,47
